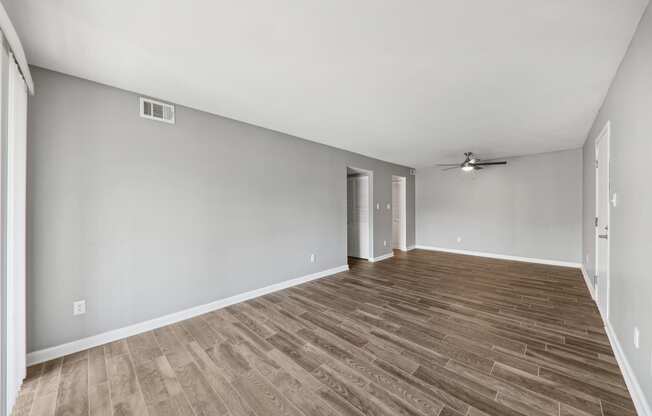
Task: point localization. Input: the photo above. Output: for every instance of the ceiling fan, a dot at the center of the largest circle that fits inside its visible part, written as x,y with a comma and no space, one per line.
471,163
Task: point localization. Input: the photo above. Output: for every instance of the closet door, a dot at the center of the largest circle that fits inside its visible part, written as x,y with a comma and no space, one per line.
362,215
14,238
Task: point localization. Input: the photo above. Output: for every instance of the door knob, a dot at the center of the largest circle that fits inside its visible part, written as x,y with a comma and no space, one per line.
605,236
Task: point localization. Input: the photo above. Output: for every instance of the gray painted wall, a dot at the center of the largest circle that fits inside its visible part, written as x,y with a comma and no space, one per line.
628,106
530,208
143,218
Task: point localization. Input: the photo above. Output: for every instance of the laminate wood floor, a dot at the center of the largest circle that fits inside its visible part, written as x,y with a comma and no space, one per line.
422,333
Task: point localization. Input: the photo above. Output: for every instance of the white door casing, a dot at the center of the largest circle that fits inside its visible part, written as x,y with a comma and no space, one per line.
602,224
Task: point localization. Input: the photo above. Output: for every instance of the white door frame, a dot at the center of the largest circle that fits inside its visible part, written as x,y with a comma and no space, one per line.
372,207
605,134
402,180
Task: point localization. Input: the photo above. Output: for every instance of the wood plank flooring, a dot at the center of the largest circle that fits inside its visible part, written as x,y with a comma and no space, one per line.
422,333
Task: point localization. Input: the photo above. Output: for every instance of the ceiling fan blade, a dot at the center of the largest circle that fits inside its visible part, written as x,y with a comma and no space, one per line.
448,164
489,163
493,159
453,167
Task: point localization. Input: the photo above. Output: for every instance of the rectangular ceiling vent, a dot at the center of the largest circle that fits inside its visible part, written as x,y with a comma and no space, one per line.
156,110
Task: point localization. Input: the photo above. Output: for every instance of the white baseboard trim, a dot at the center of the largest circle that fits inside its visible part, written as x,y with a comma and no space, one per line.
47,354
380,258
410,248
587,280
502,256
640,402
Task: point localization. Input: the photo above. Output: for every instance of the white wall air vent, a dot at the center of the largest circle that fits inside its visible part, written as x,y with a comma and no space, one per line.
156,110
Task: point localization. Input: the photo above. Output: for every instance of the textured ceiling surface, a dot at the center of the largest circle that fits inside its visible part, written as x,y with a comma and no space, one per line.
414,83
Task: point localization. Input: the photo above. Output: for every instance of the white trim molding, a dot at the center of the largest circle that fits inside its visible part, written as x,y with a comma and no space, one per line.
587,280
381,258
47,354
503,256
410,248
640,402
16,47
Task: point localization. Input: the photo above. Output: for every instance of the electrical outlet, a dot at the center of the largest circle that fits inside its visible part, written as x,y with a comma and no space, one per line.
459,239
377,206
79,307
637,337
614,199
385,243
312,258
389,206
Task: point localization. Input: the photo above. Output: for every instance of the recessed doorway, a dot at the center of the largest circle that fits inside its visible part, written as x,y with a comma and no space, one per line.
358,213
602,207
399,228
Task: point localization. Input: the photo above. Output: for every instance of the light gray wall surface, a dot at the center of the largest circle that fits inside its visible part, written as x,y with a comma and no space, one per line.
142,218
628,106
530,208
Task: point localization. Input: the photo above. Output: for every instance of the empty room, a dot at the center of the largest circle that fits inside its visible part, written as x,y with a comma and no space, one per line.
335,208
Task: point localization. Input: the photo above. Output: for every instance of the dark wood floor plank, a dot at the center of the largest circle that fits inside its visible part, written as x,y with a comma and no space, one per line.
49,380
201,331
262,396
99,399
420,334
299,394
99,396
512,395
161,390
551,389
126,397
353,393
143,347
44,405
172,347
362,366
215,376
72,397
23,404
203,399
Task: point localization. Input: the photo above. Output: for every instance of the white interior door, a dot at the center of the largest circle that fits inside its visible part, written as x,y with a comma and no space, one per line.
14,233
358,216
398,214
602,223
362,210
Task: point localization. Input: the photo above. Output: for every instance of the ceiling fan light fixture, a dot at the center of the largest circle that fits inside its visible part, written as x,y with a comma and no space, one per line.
472,163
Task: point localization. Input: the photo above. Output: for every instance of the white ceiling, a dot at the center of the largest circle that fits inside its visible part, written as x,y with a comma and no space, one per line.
412,82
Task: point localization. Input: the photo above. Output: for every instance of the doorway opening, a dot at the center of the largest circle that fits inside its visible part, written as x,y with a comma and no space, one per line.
358,214
602,213
399,228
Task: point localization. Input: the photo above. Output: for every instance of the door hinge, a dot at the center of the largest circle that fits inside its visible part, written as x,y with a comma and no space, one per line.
595,279
596,164
596,221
